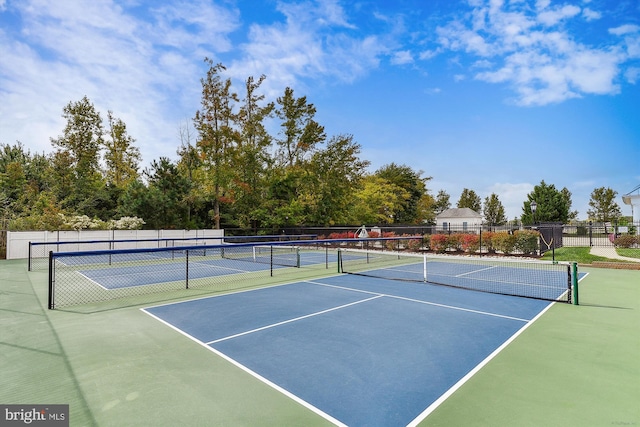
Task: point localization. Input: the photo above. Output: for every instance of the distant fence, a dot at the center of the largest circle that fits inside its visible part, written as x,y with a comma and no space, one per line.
18,241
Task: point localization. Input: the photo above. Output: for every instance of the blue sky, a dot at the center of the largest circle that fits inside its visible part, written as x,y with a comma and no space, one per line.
490,95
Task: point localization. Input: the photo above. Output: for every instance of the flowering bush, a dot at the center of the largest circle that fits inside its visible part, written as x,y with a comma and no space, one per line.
504,242
469,242
126,223
439,243
527,241
487,241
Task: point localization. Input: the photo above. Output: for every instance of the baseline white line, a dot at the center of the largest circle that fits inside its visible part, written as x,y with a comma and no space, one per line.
452,307
292,320
471,373
254,374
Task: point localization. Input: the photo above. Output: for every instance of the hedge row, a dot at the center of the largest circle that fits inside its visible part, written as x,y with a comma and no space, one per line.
520,241
626,241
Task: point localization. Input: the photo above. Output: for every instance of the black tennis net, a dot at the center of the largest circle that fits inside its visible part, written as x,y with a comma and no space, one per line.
544,280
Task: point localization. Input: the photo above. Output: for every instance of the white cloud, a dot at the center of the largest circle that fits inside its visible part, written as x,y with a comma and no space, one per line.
512,196
402,57
632,75
534,53
310,43
624,29
554,16
136,67
591,15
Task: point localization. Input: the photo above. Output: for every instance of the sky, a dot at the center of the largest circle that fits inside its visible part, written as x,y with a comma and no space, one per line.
494,96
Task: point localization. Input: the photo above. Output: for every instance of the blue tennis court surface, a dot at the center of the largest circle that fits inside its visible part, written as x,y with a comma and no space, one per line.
357,350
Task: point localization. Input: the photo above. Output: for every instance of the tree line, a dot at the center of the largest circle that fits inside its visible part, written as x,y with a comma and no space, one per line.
231,172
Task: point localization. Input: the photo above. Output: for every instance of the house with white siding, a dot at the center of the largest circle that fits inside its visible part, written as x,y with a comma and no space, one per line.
458,219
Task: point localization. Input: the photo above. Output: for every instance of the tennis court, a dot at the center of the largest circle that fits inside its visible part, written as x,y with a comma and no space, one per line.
313,347
356,350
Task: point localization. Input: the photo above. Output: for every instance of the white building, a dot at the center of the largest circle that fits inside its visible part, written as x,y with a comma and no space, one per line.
459,219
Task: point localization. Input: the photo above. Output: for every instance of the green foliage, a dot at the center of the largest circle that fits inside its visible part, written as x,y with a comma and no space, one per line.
469,199
527,241
603,205
494,212
552,205
504,242
441,203
410,183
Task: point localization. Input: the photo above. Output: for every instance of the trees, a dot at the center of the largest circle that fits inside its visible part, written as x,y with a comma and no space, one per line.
603,205
494,213
217,138
377,200
552,205
411,182
442,202
300,133
122,157
469,199
78,154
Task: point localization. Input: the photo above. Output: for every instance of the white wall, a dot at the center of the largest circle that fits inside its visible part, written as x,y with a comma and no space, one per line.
18,241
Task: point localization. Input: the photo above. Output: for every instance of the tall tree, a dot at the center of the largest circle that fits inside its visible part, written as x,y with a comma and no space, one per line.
300,133
552,205
494,213
334,172
469,199
603,205
80,144
410,181
377,200
121,157
253,158
217,138
442,202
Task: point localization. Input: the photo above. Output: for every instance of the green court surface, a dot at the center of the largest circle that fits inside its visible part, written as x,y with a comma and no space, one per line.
117,366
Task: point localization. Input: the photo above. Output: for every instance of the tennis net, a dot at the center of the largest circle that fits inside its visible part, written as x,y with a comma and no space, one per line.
282,255
551,281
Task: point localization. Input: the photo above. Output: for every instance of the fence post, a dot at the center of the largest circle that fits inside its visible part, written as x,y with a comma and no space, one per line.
186,268
51,280
590,233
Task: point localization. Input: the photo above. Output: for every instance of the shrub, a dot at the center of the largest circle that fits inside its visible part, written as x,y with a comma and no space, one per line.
504,242
454,242
527,241
439,243
625,241
470,242
487,241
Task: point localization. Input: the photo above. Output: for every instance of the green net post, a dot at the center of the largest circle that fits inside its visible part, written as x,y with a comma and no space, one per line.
574,280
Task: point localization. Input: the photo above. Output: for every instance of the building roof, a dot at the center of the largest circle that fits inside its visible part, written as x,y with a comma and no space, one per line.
459,213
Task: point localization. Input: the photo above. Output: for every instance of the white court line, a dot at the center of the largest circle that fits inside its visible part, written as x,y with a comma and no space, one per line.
474,271
471,373
259,377
293,320
452,307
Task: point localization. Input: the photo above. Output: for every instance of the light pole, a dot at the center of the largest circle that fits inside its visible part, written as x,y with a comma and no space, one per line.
534,206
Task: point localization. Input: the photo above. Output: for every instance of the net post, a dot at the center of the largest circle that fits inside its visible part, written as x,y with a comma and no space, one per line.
29,262
424,267
574,282
270,263
339,260
51,281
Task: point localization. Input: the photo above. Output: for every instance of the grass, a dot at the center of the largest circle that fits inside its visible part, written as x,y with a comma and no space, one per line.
580,255
629,252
